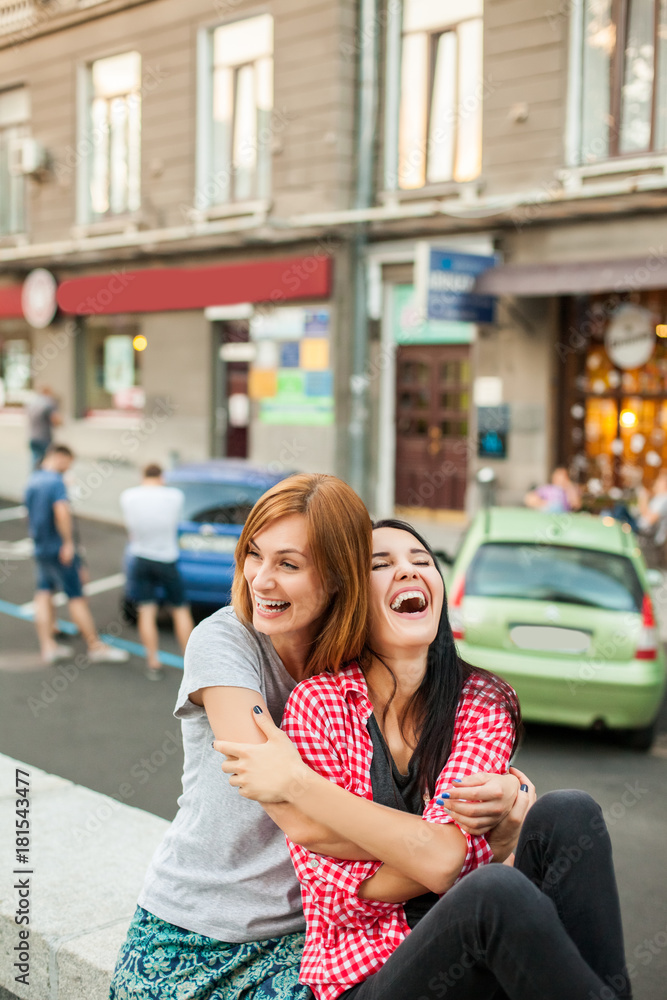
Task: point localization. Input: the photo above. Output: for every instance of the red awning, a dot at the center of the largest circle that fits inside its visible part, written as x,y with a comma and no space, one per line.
166,289
10,302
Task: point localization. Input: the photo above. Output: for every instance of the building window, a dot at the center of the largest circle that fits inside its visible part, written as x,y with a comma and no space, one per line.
623,79
14,118
111,363
236,109
440,115
114,123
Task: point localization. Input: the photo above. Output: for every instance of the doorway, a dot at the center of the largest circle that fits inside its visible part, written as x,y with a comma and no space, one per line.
432,407
231,404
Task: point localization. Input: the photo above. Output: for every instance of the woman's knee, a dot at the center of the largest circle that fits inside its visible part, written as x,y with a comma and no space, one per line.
570,809
500,887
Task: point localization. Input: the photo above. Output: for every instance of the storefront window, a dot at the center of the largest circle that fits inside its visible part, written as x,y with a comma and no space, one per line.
614,390
111,369
14,372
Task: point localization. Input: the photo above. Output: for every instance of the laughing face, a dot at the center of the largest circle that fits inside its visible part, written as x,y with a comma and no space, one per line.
287,594
407,592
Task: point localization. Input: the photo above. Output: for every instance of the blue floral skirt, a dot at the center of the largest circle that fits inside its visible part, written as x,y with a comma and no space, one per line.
159,961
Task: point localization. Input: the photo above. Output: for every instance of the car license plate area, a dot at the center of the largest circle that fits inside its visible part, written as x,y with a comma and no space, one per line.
225,544
550,639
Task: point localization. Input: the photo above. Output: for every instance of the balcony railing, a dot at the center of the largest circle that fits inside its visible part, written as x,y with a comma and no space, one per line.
24,17
18,15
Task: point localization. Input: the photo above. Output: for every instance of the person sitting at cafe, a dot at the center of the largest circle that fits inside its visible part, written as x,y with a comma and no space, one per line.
556,497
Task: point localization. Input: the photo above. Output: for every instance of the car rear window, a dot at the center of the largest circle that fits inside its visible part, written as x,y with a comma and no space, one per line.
555,573
218,503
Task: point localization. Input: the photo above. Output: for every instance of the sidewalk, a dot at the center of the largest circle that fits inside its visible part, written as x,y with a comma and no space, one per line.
94,486
88,855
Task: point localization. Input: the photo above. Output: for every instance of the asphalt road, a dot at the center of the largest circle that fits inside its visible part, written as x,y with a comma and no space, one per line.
100,726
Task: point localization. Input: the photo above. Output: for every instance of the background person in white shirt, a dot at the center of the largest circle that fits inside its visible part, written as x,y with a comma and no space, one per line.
151,513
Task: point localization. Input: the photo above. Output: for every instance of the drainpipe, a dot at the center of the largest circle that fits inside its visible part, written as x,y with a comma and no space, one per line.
367,29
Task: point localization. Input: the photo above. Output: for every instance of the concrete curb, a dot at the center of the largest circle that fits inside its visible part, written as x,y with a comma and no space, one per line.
88,855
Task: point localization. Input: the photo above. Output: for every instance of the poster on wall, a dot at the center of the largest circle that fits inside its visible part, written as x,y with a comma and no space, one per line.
493,424
291,379
118,363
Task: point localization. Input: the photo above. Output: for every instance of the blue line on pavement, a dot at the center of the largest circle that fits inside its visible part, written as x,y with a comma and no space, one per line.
168,659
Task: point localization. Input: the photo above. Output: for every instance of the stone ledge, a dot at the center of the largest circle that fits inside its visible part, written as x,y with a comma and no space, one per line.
88,855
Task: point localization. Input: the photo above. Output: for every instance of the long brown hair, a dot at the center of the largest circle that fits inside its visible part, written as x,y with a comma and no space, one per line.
340,544
433,706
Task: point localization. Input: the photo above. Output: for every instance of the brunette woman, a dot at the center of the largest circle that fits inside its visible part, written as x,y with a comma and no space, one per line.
402,727
220,913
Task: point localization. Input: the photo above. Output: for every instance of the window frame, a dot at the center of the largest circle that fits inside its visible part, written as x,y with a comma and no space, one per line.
394,38
204,205
576,96
22,130
85,216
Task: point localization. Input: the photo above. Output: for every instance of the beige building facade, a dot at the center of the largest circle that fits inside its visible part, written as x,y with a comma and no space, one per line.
238,203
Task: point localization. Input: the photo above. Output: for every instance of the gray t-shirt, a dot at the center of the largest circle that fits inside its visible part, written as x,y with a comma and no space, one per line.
39,412
223,869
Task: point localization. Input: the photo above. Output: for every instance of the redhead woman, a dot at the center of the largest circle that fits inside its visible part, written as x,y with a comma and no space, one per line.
220,914
398,731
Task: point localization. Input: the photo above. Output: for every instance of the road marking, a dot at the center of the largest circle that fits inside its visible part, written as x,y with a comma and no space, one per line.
168,659
23,549
94,587
13,513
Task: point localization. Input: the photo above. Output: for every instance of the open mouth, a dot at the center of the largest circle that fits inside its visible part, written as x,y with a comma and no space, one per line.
271,608
409,602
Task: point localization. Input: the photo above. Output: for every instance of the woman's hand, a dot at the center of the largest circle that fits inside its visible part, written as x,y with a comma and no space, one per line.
503,838
479,802
265,772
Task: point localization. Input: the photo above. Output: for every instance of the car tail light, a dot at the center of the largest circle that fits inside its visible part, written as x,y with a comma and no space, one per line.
647,648
455,608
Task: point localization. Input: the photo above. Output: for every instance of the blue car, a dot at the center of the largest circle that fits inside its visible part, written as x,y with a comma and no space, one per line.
219,495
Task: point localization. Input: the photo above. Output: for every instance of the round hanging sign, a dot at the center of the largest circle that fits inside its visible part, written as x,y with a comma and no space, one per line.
630,337
38,298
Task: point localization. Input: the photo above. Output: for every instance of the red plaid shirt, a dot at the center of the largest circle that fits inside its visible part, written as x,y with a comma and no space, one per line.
348,938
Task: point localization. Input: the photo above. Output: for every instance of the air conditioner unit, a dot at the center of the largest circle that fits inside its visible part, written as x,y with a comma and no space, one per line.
27,157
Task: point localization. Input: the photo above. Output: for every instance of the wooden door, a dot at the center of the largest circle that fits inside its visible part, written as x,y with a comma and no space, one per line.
432,405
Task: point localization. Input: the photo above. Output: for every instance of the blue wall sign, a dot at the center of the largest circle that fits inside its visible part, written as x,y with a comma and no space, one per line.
450,279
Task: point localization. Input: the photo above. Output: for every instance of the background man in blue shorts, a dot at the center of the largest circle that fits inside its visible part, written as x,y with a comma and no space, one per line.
57,565
151,513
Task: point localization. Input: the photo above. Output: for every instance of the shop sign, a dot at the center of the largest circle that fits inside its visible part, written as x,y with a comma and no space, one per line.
493,424
410,326
445,283
38,298
290,323
630,337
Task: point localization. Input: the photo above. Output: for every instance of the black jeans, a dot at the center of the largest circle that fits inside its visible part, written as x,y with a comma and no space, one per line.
547,929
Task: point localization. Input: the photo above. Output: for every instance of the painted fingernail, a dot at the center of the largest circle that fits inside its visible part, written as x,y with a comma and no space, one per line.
445,795
257,710
457,781
523,788
213,744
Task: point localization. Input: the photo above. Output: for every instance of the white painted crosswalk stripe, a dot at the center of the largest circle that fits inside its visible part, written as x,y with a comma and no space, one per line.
13,513
90,589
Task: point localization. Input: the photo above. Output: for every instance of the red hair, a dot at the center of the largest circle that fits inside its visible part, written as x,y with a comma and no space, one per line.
340,543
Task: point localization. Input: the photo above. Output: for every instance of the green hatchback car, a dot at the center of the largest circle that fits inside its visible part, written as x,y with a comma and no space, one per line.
560,606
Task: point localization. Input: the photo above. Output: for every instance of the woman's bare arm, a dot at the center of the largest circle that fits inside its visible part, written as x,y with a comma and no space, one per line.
229,711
